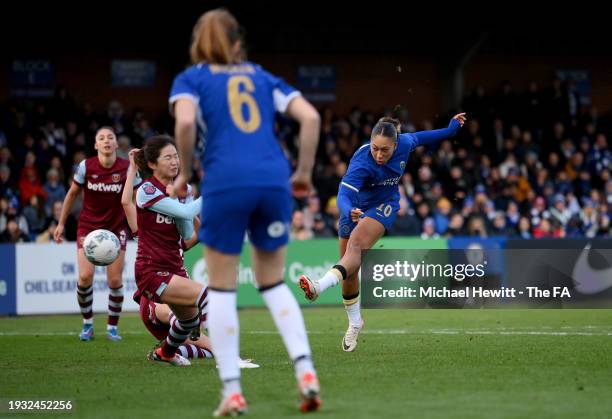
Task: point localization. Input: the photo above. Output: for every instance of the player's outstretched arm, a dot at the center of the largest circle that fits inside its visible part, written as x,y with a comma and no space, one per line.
429,137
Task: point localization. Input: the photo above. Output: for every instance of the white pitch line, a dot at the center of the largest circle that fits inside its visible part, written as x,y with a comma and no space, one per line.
502,332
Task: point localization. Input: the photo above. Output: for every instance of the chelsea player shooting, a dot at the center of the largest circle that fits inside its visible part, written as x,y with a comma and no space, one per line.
368,200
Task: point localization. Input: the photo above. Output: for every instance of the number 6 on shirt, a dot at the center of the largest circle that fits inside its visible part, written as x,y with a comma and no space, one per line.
236,99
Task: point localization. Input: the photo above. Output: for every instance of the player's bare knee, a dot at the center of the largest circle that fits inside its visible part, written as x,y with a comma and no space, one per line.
115,283
85,280
183,312
357,244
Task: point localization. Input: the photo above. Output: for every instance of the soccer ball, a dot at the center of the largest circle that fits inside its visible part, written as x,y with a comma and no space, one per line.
101,247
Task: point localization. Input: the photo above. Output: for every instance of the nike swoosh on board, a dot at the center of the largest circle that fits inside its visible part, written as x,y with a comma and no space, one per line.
588,280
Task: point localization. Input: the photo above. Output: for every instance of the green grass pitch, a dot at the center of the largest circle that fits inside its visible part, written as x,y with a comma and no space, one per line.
409,363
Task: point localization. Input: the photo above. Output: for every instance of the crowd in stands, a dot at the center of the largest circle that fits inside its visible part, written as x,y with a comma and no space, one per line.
529,163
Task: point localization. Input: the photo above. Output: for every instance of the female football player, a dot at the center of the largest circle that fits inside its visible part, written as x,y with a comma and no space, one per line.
158,317
368,200
246,187
164,225
101,178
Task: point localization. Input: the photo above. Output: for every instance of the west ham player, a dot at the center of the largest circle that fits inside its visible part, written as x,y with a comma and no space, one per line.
368,199
101,178
158,317
245,188
163,224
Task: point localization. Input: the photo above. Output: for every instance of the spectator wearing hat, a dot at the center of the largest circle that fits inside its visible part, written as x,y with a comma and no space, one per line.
441,215
429,229
572,204
490,212
589,218
468,207
480,189
320,228
10,210
559,210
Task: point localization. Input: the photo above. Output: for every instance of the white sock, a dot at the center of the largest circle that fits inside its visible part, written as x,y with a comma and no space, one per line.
353,312
302,366
88,321
290,323
330,279
224,331
232,386
109,327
